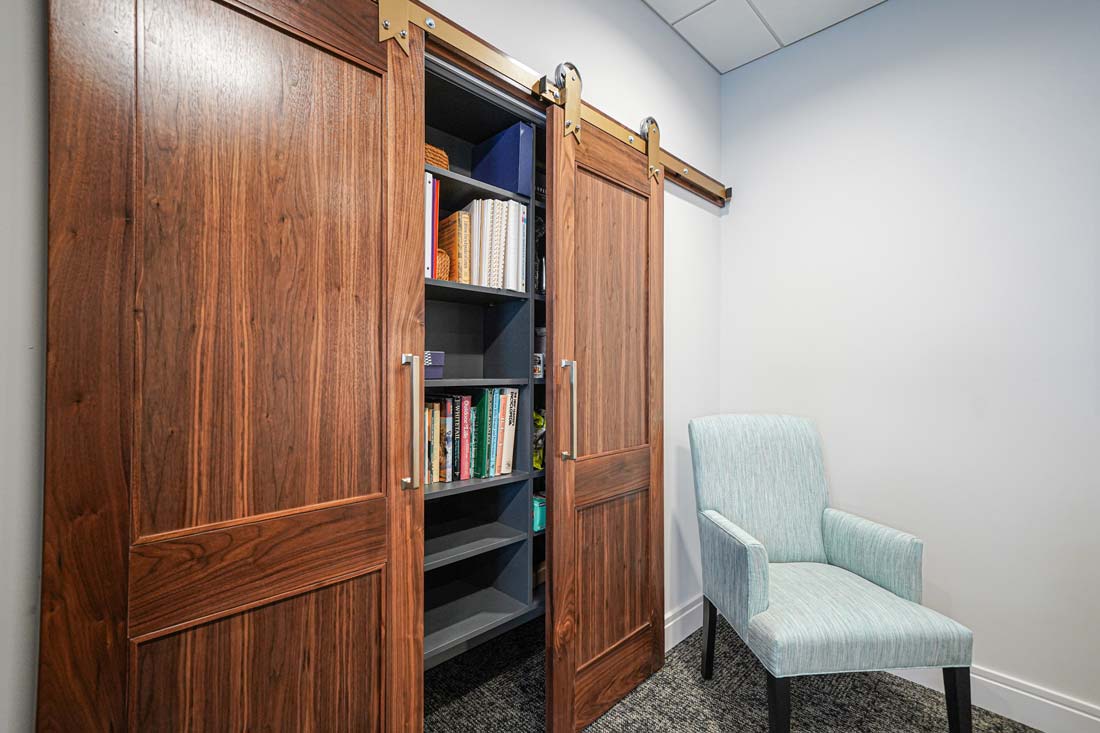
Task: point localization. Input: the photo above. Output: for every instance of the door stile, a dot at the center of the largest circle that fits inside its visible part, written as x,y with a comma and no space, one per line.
403,289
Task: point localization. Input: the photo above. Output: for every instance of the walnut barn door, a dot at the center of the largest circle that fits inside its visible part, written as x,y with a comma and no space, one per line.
233,280
605,623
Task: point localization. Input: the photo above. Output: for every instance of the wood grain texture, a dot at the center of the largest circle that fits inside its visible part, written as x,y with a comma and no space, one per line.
259,288
404,333
346,26
655,394
604,154
561,621
611,286
609,475
312,662
608,678
613,579
206,574
89,356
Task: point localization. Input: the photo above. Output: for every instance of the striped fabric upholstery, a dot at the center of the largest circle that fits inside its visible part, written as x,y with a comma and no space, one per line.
823,619
882,555
764,473
811,590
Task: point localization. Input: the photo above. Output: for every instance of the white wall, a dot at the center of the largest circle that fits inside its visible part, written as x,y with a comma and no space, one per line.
22,350
633,66
912,258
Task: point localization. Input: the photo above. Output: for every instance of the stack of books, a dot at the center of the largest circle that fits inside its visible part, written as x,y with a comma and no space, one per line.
471,435
485,243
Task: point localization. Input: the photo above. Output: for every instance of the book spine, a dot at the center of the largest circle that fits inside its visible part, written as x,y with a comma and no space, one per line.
426,468
456,438
429,253
445,456
502,426
464,444
464,248
523,249
494,418
510,431
435,223
481,441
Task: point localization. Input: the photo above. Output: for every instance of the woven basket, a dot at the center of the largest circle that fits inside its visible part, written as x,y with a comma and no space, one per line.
442,265
436,156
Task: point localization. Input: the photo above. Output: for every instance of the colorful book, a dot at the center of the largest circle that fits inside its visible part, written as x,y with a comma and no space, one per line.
435,224
446,442
481,435
491,432
465,405
502,427
510,431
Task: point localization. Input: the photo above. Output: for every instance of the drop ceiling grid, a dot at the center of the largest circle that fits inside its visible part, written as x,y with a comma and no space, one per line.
731,33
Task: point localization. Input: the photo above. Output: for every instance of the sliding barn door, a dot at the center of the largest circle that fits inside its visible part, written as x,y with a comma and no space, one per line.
606,606
233,279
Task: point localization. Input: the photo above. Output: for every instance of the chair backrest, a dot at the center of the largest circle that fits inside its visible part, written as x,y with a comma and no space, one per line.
765,474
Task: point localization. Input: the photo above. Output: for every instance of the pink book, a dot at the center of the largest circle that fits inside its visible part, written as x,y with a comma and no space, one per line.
464,445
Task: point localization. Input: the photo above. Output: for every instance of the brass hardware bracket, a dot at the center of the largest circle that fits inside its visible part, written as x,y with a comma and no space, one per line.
652,134
393,22
569,81
394,17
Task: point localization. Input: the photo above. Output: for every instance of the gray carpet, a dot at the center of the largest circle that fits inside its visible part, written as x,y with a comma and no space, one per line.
499,687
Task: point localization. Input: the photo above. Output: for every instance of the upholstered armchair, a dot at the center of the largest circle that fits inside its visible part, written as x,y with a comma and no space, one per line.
809,589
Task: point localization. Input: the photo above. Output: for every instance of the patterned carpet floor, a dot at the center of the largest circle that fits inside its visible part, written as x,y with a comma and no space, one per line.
499,687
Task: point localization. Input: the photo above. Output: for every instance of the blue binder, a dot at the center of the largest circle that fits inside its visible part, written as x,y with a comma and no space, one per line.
505,159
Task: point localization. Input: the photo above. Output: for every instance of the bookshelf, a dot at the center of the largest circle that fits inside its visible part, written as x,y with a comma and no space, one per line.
480,552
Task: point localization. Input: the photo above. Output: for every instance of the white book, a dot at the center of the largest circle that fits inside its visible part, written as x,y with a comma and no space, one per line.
487,220
474,210
510,431
511,250
429,209
522,248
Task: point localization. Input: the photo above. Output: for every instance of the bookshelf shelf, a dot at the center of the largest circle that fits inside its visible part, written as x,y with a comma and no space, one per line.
463,540
463,382
469,614
462,293
453,488
456,190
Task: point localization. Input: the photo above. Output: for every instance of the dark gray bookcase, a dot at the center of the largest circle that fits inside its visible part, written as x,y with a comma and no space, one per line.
480,552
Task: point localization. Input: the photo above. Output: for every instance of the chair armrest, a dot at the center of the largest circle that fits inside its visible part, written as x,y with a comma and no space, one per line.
886,557
735,569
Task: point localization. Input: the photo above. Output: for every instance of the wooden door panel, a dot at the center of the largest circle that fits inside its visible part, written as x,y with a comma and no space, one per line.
204,574
226,543
611,290
605,613
312,662
613,590
609,475
260,271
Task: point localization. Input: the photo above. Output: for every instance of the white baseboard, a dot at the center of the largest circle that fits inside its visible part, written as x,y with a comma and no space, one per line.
683,621
1013,698
1018,699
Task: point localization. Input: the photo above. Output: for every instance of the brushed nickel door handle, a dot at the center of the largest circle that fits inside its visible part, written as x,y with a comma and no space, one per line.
571,454
413,481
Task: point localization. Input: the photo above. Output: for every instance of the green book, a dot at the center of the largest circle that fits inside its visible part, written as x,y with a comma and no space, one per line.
482,407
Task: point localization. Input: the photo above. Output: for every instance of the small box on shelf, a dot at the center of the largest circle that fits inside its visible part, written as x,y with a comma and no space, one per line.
433,364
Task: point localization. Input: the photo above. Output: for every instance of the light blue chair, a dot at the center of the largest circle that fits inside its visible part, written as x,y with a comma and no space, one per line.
809,589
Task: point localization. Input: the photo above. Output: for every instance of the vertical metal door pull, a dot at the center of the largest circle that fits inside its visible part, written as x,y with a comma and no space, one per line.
571,454
413,482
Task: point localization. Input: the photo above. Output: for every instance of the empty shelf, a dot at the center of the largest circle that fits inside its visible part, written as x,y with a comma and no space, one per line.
468,615
465,541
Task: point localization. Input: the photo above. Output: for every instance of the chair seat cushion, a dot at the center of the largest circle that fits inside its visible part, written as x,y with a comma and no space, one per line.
822,619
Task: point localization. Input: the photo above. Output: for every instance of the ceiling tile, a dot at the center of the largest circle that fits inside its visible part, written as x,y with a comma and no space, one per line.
674,10
728,33
795,19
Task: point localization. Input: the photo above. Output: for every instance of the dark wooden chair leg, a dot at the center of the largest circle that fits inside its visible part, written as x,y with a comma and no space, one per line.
956,688
779,704
710,618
